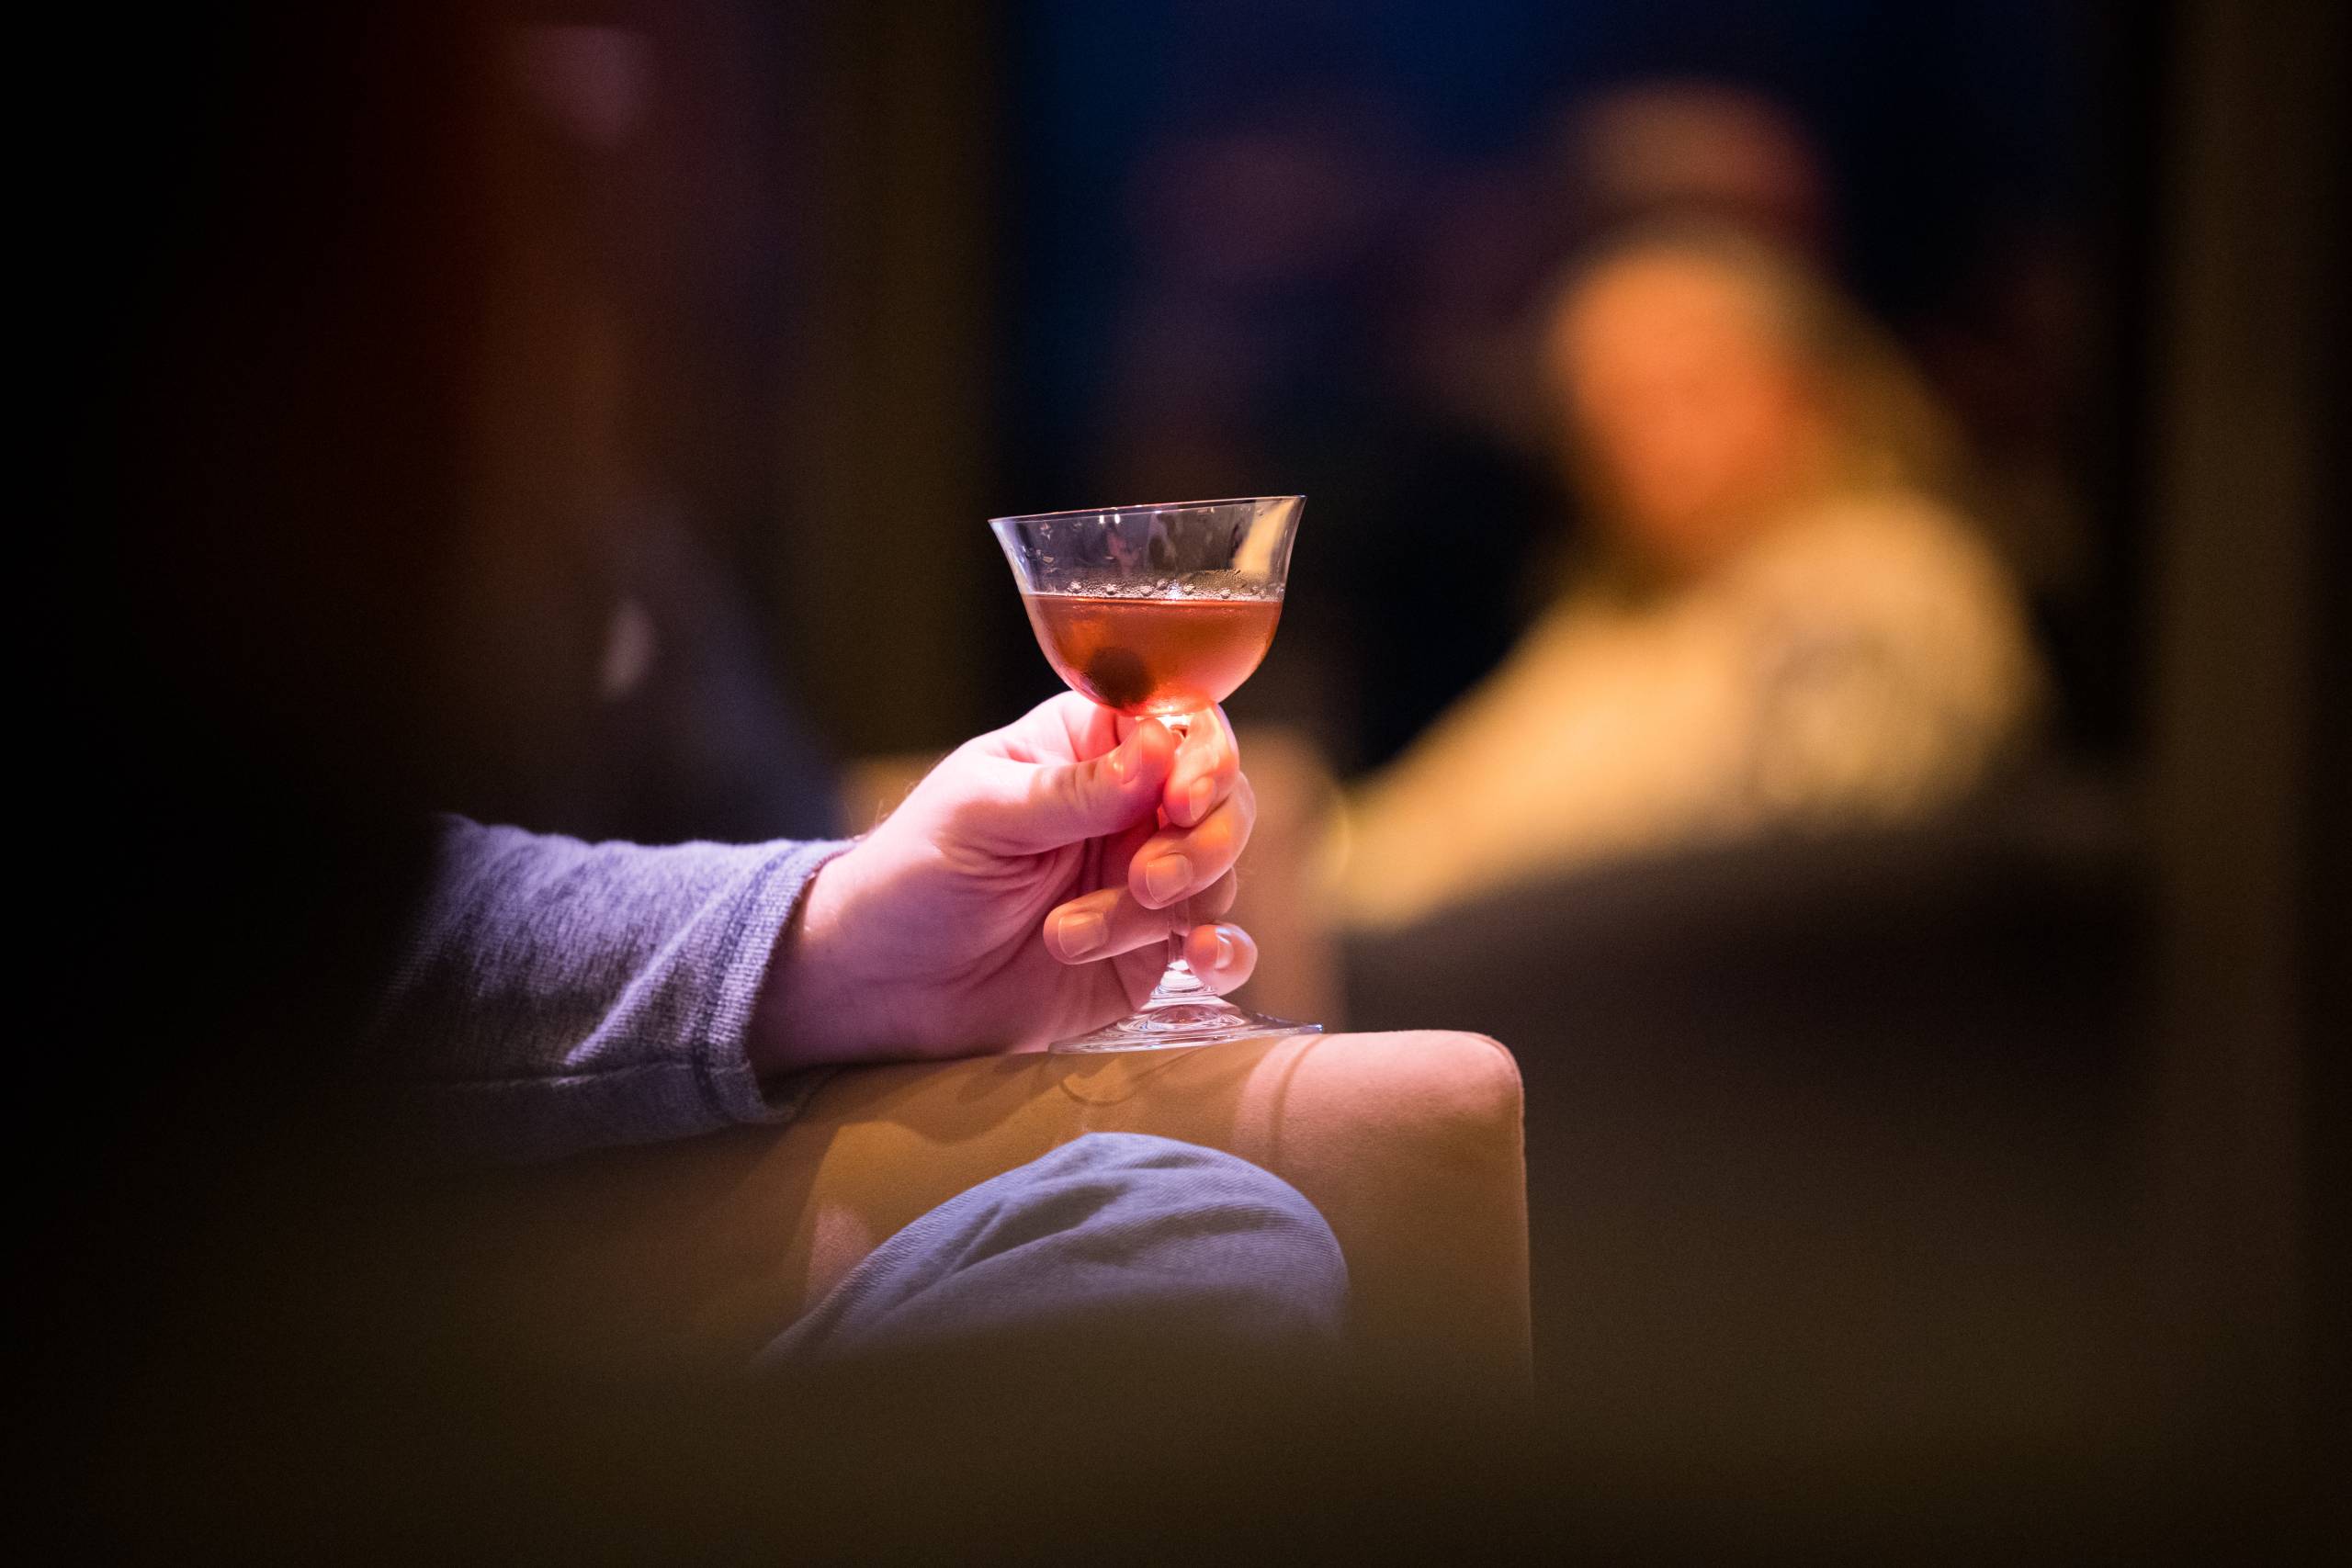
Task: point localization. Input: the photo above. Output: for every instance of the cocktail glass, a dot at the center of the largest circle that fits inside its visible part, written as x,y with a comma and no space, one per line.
1160,612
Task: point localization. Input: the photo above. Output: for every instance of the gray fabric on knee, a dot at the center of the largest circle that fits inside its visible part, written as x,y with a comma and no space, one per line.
1116,1232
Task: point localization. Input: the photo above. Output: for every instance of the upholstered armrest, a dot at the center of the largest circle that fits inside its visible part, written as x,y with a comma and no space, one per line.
1410,1145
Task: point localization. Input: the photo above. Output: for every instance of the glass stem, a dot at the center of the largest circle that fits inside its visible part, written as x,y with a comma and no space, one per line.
1179,983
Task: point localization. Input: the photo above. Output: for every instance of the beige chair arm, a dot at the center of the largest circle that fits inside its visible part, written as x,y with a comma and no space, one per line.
1408,1143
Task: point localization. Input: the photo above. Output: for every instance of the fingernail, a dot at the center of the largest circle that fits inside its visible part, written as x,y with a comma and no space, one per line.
1165,876
1226,950
1081,932
1198,797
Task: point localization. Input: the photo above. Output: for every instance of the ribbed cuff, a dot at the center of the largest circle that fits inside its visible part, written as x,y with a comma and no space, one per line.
722,1058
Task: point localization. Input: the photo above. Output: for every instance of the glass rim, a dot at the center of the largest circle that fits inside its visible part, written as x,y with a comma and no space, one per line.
1133,507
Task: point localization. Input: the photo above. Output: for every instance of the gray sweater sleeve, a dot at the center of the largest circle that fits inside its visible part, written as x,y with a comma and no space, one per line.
556,996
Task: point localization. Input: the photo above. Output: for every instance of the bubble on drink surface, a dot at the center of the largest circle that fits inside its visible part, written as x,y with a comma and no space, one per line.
1224,585
1229,585
1118,677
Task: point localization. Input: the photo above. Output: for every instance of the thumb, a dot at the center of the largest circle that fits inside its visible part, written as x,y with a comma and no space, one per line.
1044,807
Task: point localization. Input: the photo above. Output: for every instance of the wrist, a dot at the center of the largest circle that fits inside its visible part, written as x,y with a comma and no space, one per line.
804,1017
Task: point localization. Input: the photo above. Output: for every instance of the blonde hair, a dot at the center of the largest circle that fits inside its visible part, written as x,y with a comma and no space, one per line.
1889,429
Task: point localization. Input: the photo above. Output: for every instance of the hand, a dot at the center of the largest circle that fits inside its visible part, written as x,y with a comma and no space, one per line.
1019,896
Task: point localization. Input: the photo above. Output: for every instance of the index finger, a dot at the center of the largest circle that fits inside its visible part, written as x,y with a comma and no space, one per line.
1208,763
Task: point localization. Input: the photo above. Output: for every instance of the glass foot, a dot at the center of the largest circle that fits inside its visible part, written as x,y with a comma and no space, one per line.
1178,1023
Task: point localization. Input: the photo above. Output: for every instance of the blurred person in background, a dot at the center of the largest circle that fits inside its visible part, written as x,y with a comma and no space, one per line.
1784,623
1462,426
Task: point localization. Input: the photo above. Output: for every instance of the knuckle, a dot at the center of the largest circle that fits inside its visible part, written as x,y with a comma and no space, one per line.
1062,790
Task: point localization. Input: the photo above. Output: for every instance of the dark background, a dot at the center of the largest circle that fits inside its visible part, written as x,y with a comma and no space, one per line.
2057,1187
